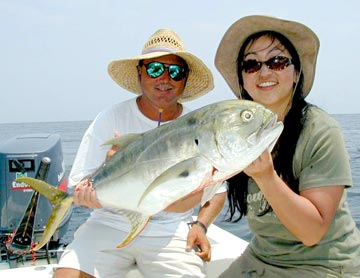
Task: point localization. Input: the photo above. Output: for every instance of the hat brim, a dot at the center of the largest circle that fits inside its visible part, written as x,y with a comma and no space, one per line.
303,38
200,79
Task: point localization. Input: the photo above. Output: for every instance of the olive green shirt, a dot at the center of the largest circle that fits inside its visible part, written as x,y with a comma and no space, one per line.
321,159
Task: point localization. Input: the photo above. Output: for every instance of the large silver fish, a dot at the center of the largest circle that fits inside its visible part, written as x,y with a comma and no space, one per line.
154,169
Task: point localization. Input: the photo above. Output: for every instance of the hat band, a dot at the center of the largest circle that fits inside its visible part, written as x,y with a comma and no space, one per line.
157,49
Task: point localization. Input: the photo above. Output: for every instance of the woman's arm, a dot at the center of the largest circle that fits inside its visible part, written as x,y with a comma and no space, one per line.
308,215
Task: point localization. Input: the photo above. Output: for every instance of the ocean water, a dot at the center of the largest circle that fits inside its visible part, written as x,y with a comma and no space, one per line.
72,132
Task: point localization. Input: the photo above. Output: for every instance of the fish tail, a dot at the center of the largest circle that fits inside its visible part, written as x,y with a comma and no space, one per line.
61,202
138,223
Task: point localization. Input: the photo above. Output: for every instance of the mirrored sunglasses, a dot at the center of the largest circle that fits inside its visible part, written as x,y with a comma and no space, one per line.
276,63
156,69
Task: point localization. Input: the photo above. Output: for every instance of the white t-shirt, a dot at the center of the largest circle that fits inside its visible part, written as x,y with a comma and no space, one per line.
124,117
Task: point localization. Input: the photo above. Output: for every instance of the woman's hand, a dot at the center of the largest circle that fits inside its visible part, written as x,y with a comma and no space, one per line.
261,168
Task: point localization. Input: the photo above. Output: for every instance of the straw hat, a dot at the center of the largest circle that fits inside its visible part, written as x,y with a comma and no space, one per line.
303,38
164,42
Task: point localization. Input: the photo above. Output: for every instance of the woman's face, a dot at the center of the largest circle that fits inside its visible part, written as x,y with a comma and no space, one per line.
270,87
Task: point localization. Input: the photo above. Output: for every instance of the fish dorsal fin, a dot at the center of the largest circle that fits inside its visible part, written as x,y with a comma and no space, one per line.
123,140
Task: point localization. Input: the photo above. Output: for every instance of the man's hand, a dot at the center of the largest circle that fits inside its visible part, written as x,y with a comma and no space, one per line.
113,148
198,241
85,195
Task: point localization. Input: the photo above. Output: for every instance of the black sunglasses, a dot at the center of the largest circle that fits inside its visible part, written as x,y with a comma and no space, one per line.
277,63
156,69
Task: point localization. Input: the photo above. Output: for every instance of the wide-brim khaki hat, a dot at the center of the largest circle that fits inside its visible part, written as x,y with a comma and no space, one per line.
303,38
164,42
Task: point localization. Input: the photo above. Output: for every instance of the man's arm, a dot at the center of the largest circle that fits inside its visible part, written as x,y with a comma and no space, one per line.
197,235
84,193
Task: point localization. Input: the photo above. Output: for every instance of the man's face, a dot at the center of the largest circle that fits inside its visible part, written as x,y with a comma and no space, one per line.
161,89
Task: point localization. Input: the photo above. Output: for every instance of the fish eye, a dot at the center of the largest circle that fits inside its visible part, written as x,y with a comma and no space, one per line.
247,115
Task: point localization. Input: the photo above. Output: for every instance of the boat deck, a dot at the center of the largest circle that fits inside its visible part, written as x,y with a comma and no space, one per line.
225,248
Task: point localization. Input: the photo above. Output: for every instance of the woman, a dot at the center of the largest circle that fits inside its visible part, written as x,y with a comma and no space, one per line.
294,198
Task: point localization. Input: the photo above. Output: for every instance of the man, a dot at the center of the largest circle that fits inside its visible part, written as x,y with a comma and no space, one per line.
163,76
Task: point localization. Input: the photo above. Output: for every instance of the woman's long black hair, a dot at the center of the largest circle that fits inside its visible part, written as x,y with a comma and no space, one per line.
284,150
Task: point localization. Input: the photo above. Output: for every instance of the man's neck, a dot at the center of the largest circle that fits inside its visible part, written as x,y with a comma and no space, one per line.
155,113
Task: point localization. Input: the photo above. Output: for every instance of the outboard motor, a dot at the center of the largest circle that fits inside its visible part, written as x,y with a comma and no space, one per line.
23,212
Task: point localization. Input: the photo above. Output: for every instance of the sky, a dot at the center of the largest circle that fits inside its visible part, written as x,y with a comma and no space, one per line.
54,53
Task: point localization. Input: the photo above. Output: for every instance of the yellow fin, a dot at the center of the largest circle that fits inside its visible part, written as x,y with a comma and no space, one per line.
49,191
59,211
138,223
60,201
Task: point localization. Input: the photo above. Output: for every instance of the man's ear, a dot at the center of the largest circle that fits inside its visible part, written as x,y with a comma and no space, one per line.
138,72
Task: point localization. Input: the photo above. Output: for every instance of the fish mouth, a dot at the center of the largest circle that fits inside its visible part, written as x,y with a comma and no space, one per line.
277,125
269,131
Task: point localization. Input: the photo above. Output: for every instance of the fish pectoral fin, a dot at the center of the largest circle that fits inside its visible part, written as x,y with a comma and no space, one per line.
138,222
59,211
123,140
180,179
